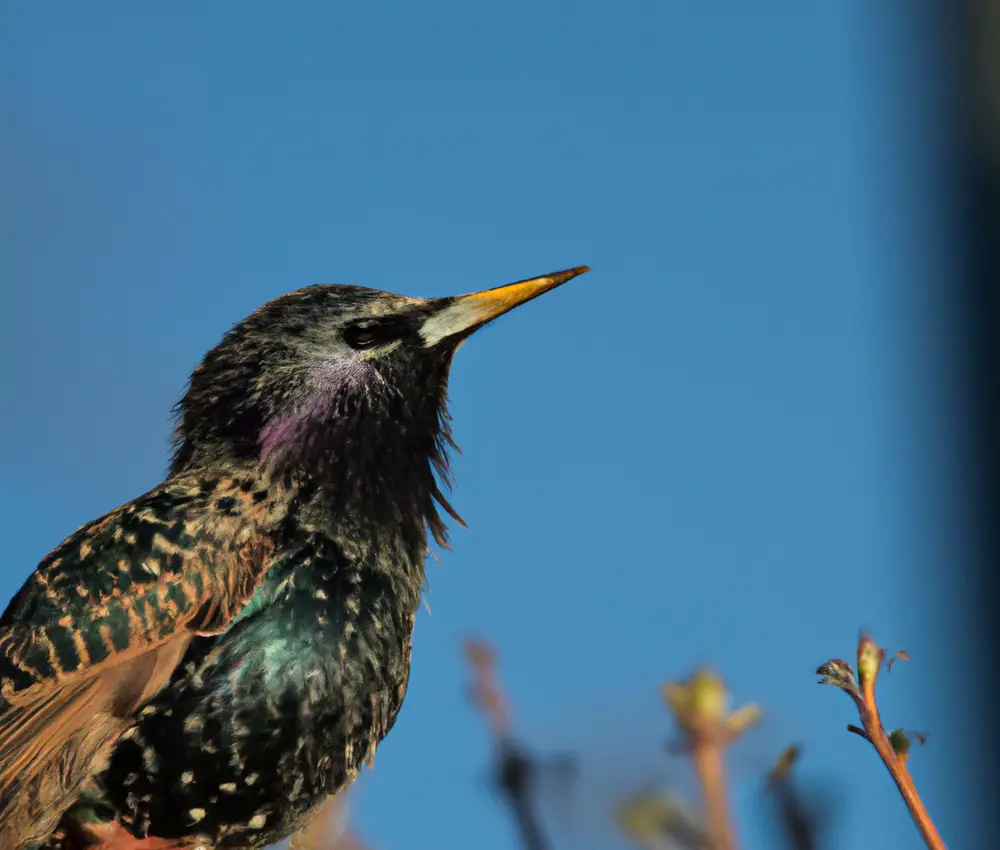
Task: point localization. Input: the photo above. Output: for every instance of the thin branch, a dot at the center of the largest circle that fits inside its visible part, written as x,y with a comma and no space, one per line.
515,769
798,819
862,692
486,692
709,765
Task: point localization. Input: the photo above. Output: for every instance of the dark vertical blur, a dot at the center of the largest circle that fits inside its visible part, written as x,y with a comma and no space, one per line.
972,29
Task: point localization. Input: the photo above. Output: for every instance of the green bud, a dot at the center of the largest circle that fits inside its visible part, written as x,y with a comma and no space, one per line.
869,659
900,741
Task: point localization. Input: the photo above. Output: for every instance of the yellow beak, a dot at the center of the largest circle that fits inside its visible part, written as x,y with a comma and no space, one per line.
463,314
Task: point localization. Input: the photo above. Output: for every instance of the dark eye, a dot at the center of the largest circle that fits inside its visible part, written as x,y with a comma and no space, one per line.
364,335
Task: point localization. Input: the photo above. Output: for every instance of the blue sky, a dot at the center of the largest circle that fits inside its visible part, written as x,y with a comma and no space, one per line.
727,443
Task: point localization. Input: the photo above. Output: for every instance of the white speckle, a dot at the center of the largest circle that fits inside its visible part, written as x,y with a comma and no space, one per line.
148,711
151,567
257,822
321,594
187,777
196,815
228,787
251,778
209,747
149,760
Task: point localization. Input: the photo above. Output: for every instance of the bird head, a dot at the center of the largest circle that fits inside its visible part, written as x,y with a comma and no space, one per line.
341,387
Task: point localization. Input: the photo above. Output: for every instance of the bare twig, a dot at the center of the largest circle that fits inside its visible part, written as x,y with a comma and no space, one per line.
710,767
486,691
515,774
893,753
798,820
515,769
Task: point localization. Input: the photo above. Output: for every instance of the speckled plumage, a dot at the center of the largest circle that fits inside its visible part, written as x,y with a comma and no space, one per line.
211,662
277,714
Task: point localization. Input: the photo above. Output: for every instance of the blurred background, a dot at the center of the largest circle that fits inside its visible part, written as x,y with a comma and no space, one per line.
741,438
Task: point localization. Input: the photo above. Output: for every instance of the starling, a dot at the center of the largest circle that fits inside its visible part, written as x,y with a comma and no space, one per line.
208,664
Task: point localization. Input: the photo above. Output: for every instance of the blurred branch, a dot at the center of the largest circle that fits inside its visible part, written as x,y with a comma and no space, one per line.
701,708
515,778
892,748
485,691
798,821
661,821
515,769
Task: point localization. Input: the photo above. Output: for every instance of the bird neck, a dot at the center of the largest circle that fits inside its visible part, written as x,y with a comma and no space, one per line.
382,496
375,499
375,475
368,466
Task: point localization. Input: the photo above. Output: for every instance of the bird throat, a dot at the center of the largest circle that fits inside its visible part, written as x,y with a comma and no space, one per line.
370,465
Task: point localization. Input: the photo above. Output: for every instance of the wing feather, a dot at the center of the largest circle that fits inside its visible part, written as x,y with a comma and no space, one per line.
101,625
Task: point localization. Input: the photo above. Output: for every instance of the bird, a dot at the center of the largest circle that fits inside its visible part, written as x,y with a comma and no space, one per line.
209,664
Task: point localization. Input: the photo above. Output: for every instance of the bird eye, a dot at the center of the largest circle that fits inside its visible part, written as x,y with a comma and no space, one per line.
364,335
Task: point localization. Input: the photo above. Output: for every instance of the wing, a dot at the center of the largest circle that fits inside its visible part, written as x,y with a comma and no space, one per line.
101,624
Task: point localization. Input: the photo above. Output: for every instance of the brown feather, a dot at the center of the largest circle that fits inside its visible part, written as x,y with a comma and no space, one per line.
102,624
54,739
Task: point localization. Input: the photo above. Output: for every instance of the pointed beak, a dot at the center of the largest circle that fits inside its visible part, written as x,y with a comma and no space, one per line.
456,318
